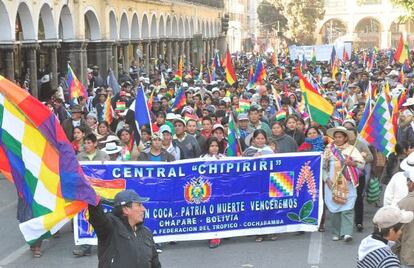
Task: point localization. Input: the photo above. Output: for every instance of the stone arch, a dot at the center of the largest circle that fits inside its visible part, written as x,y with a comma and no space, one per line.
154,31
368,33
145,27
123,27
161,27
181,30
174,28
47,23
5,27
331,30
113,29
168,26
187,28
66,31
135,27
92,28
24,23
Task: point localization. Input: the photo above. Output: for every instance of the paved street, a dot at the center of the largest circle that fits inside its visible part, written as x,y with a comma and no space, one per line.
291,250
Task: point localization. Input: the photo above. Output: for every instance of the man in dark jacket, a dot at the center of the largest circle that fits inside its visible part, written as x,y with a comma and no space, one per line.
76,120
123,240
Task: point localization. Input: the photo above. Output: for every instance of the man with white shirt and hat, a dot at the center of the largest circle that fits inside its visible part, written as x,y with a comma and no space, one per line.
397,188
407,238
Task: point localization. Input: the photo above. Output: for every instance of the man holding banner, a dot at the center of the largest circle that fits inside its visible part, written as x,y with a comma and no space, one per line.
123,240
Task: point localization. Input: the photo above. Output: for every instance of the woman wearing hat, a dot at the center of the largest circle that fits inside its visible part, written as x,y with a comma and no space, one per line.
218,132
342,165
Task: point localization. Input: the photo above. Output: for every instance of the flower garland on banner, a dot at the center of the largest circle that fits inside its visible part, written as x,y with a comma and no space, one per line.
306,176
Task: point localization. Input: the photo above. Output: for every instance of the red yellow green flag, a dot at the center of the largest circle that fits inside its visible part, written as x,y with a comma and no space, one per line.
228,68
320,109
401,54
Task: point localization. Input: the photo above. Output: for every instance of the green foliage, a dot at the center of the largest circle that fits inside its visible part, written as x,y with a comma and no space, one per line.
302,17
408,5
270,16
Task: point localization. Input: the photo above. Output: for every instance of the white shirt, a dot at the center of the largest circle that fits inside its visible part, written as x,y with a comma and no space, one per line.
396,189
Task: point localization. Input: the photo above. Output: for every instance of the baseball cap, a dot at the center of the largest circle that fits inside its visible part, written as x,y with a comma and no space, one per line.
128,196
181,120
164,128
216,126
171,116
242,117
408,162
391,215
157,135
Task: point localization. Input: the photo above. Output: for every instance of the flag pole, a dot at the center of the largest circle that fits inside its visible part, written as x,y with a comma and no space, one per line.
236,125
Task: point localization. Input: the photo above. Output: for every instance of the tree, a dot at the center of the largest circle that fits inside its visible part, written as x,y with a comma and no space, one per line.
302,17
408,5
271,17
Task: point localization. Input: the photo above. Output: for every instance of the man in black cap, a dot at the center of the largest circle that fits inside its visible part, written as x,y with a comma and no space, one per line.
123,240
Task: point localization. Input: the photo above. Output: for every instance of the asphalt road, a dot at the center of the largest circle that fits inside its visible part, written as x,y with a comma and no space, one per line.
315,250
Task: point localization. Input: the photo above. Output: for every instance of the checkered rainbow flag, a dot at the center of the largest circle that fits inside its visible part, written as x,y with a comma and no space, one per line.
378,129
36,156
281,184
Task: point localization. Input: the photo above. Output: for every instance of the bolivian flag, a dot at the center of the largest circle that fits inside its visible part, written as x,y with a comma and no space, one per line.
320,109
401,54
228,68
107,188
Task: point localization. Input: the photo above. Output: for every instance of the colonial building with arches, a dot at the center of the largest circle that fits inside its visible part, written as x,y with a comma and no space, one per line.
365,23
44,35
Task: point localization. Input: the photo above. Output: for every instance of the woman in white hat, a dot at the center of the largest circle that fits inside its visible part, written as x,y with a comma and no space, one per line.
342,166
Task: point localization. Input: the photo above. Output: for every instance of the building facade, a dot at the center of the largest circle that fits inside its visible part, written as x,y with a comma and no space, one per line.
42,36
242,30
365,23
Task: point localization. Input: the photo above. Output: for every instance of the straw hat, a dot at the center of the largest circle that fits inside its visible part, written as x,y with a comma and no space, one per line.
331,132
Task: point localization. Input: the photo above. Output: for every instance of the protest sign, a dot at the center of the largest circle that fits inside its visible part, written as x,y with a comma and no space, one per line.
205,199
